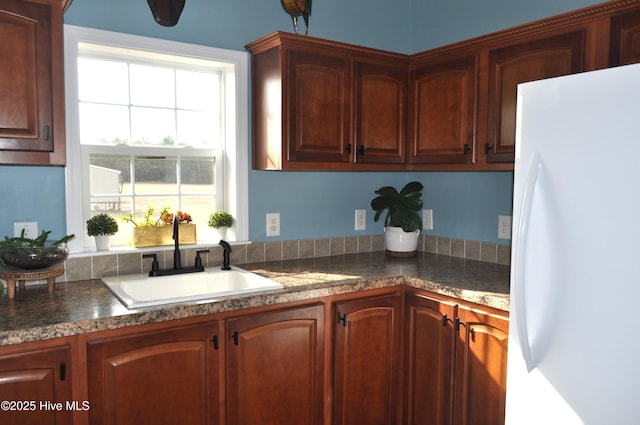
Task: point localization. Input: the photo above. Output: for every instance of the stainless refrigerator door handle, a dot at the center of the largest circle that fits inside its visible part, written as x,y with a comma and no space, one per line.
521,246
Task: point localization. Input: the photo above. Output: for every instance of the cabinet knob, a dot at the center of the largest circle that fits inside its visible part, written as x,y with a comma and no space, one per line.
344,320
361,149
487,148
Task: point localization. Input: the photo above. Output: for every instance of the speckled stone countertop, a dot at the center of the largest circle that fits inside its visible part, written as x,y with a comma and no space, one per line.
88,306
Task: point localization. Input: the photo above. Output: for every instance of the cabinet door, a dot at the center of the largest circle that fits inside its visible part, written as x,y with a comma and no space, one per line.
481,369
625,39
429,360
275,368
33,378
318,108
442,112
510,66
163,377
366,356
381,121
31,43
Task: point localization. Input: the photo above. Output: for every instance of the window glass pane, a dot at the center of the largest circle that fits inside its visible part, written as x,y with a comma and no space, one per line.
152,86
103,124
197,175
104,180
153,126
103,81
155,176
198,129
199,208
198,90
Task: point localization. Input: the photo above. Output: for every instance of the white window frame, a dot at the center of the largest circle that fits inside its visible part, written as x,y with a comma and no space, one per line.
235,159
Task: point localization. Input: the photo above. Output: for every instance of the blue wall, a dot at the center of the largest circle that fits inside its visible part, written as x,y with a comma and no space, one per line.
466,205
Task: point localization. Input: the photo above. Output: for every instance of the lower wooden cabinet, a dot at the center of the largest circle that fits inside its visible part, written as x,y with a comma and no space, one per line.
33,384
481,367
456,363
366,361
162,377
275,367
430,347
387,356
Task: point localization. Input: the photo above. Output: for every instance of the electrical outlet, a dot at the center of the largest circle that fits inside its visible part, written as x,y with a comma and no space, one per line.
504,227
30,229
361,220
427,219
273,224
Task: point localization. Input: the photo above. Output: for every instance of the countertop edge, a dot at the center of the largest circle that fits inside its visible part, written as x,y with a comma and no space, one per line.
289,294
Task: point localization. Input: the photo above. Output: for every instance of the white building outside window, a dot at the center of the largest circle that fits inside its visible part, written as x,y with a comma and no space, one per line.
153,124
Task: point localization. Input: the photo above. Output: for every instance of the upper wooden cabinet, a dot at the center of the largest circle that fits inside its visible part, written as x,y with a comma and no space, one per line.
625,38
317,109
31,83
510,66
324,105
443,104
381,113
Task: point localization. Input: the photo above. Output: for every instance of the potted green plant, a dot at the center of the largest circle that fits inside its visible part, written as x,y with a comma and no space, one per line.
101,226
402,222
220,221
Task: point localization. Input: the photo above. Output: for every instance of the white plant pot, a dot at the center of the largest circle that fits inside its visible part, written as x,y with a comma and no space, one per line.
400,243
220,234
102,242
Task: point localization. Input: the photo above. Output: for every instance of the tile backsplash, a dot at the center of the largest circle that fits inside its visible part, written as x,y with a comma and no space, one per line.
110,263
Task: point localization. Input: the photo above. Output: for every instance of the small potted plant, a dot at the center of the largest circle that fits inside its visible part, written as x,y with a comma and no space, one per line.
101,226
402,222
220,221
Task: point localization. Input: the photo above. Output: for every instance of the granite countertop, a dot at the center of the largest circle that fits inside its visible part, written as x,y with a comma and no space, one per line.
88,306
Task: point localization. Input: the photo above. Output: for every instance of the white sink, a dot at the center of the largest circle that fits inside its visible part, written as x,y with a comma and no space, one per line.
136,291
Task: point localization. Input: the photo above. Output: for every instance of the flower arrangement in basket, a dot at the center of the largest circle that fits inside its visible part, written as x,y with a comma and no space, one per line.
159,232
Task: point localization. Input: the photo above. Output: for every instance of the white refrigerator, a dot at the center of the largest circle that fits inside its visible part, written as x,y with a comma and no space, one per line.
574,336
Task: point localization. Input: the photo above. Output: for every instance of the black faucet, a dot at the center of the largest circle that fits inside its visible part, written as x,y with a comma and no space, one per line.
177,268
225,254
176,238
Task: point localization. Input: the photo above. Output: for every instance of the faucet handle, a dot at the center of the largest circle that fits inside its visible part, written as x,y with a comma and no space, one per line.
154,264
198,258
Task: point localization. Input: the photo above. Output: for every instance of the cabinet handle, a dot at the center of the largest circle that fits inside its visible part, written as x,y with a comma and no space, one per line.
63,371
361,149
457,323
446,320
235,338
348,148
215,342
344,320
487,148
467,149
46,132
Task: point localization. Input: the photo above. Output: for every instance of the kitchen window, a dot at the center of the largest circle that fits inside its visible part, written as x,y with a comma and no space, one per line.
153,123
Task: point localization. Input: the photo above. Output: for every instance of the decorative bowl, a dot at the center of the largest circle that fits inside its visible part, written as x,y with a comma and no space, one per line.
33,257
